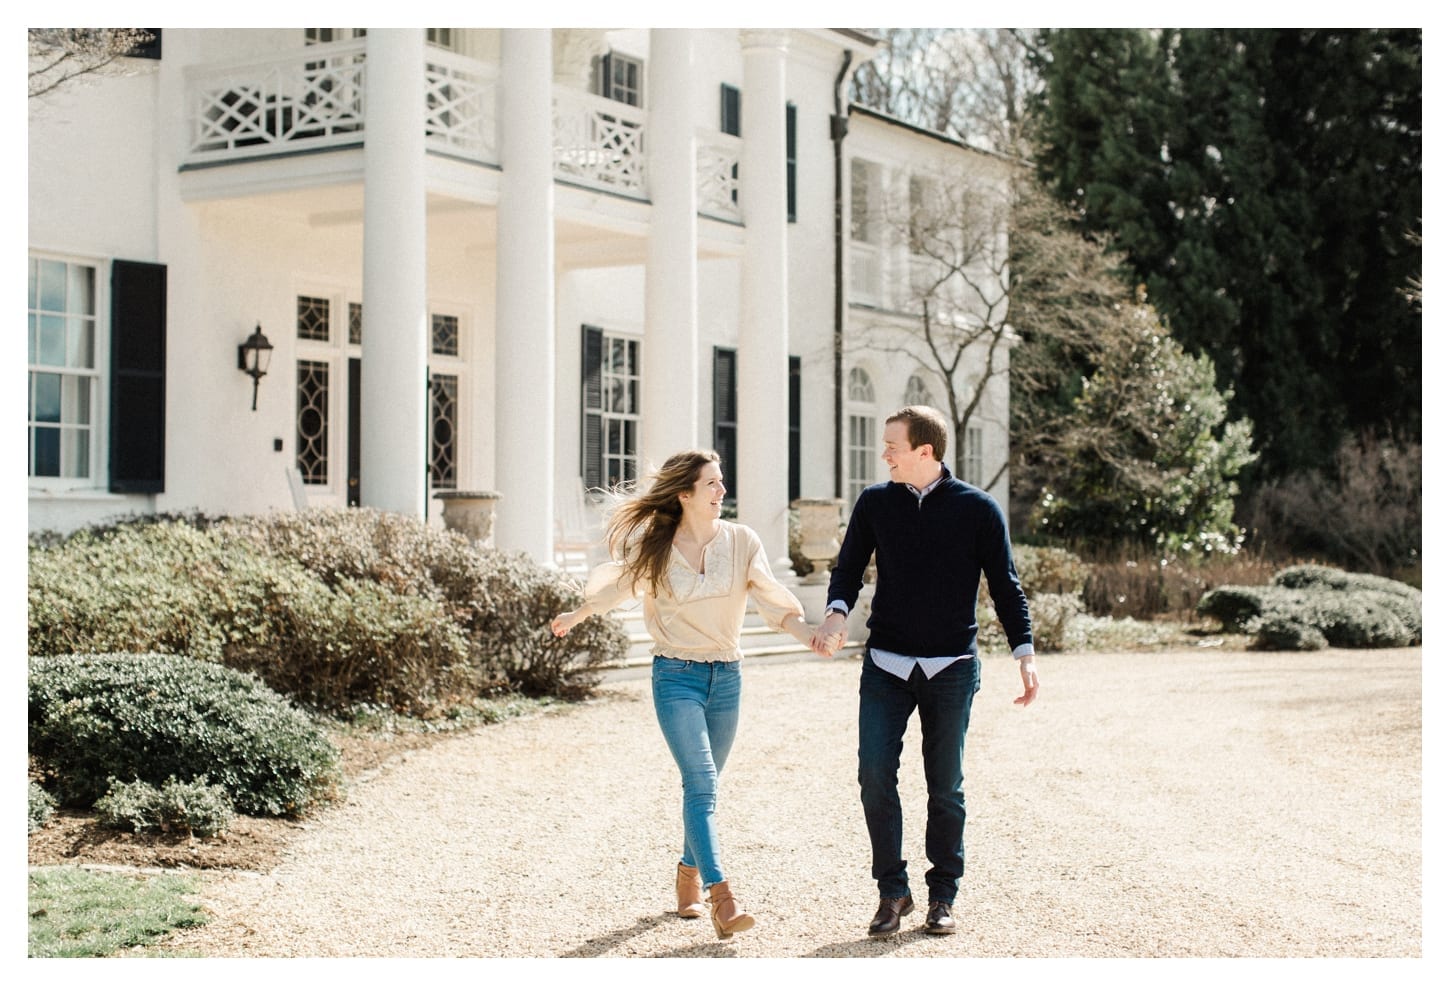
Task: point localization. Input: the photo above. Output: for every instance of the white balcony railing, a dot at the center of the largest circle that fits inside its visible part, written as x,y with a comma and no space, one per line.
314,98
599,142
307,99
462,98
717,175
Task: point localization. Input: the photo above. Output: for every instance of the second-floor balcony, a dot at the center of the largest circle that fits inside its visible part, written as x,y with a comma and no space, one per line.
315,99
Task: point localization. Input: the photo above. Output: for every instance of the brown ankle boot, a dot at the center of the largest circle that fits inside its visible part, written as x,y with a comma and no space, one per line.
690,892
725,911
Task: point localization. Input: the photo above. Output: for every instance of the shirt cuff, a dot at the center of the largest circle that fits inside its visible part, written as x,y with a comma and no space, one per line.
839,607
1023,651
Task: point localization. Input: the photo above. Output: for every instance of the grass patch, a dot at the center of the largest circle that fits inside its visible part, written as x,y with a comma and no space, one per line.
76,913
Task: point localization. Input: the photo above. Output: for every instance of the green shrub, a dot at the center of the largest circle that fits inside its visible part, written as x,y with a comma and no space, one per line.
331,607
152,717
1049,570
515,601
1052,616
41,807
1309,606
194,807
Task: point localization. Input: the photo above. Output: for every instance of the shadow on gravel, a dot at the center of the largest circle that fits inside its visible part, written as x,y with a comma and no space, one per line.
603,944
859,948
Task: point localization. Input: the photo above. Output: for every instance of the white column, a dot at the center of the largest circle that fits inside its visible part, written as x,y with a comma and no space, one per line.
670,405
395,277
762,474
524,346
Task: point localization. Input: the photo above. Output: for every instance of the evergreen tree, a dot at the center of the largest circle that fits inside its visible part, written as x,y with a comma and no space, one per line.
1265,186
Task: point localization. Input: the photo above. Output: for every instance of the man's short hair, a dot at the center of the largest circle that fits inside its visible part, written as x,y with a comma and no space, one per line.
924,426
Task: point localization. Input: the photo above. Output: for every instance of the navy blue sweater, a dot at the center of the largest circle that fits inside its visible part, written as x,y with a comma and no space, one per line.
930,558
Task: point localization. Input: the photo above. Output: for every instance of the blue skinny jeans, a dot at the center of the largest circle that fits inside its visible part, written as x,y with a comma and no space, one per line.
697,704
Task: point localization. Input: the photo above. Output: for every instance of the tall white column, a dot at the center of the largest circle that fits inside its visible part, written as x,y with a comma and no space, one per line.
763,447
395,277
524,341
670,405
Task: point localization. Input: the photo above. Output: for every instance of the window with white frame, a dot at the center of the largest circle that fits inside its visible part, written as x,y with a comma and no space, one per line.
317,378
609,451
862,437
974,456
64,395
867,265
620,78
444,394
917,392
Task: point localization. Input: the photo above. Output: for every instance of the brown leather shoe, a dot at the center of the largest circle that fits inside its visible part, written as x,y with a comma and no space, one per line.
689,893
888,916
939,920
726,914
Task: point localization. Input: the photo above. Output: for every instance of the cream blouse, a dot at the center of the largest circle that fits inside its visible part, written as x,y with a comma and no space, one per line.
698,617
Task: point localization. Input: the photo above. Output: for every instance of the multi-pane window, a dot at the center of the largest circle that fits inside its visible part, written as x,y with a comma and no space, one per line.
445,335
354,324
619,77
444,390
609,449
974,456
314,390
917,391
621,383
314,318
864,179
443,431
64,389
861,433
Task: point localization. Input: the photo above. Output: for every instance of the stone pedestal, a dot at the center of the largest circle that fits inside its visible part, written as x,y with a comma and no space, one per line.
470,513
820,521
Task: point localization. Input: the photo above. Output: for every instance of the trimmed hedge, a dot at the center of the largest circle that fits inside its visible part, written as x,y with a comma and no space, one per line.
96,719
1308,607
334,608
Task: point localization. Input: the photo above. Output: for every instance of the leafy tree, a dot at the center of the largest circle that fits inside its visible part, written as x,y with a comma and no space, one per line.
1265,185
1147,457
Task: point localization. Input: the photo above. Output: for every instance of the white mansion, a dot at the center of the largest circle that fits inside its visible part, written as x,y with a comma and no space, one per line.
526,261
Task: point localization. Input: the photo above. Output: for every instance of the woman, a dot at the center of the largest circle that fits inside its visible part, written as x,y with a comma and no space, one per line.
695,572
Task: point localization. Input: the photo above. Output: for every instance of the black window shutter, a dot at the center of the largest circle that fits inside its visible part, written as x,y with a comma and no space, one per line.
724,426
591,445
790,162
729,110
794,439
138,377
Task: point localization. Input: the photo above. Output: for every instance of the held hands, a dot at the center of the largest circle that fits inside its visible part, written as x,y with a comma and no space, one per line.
830,635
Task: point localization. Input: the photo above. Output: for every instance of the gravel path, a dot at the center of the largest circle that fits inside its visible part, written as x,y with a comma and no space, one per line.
1195,803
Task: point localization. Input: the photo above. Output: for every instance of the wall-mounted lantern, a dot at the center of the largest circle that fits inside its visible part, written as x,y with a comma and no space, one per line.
252,359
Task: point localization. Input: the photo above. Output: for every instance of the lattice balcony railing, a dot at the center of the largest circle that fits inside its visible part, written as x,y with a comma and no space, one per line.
312,98
717,175
462,98
599,142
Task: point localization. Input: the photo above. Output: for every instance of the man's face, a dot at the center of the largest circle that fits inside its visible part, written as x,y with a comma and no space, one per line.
907,464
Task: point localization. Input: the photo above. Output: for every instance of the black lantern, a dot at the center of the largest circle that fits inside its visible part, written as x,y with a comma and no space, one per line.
252,359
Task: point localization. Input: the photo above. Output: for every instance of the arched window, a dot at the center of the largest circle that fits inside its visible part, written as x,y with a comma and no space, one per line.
862,436
917,392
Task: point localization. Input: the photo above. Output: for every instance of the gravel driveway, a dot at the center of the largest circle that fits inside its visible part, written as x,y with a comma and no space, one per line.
1193,803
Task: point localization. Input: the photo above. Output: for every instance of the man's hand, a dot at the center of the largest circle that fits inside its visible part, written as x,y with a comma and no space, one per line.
830,635
1029,681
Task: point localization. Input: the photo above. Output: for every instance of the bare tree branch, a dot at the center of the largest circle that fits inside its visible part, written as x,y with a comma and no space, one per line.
59,55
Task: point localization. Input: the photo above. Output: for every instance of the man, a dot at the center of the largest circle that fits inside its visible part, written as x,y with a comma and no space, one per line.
934,537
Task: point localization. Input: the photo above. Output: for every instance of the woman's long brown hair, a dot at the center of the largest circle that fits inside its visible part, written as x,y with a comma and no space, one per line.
642,527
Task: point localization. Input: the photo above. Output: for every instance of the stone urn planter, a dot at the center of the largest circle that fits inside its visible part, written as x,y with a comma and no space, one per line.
470,513
820,521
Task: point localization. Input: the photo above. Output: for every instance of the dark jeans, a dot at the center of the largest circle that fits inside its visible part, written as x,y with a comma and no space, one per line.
944,706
